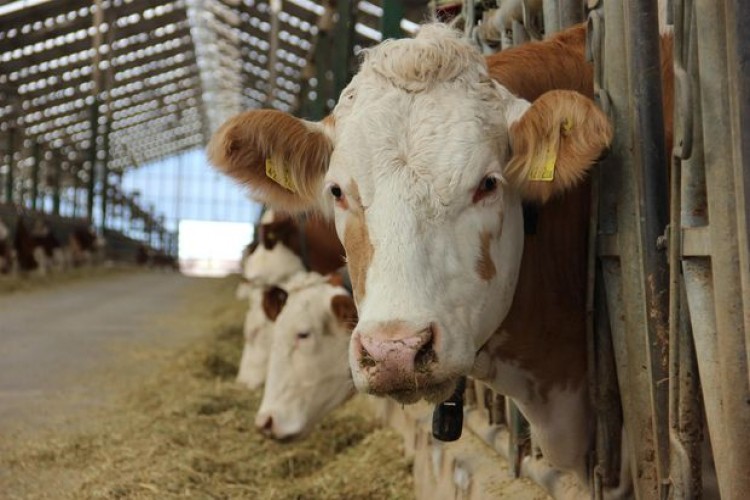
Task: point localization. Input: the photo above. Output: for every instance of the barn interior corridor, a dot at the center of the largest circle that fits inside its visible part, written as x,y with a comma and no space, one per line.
58,349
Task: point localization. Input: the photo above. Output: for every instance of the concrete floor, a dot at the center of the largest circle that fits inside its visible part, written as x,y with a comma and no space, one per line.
58,345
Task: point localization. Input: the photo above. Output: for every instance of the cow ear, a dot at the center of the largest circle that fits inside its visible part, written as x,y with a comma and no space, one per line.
282,159
553,144
274,299
345,311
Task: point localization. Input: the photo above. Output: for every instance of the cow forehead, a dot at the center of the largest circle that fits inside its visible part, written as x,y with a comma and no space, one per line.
430,147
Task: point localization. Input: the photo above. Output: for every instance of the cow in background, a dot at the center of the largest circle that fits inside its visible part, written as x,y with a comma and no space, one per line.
49,253
284,247
6,251
308,373
23,242
86,247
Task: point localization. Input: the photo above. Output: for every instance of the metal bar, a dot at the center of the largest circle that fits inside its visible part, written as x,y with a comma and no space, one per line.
571,12
624,280
390,23
731,364
35,168
551,9
738,12
273,37
56,187
93,152
10,151
342,46
645,81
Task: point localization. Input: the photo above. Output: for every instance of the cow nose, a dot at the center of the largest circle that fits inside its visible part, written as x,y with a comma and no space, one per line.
264,423
390,354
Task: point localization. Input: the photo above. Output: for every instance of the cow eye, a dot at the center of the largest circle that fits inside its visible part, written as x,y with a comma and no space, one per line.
303,335
336,192
487,186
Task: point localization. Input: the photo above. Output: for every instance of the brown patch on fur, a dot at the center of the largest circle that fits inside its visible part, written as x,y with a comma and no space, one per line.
345,311
359,251
545,330
546,325
485,266
242,145
274,299
542,128
534,68
354,194
323,249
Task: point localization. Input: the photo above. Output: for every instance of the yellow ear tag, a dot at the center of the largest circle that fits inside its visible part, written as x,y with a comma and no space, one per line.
545,171
280,176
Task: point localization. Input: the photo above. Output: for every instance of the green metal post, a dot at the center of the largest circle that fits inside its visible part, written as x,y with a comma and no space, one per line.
105,178
57,185
390,23
342,46
322,58
10,151
92,161
76,186
36,152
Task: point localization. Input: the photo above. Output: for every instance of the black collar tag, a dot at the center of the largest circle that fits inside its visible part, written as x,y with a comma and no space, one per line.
448,416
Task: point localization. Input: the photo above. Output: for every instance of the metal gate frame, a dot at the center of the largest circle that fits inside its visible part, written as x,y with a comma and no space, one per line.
675,334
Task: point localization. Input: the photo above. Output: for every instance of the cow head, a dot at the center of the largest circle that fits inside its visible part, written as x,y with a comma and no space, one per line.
308,372
273,259
424,164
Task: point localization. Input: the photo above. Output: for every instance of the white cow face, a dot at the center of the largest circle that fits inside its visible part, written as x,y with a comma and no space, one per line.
424,165
272,260
308,372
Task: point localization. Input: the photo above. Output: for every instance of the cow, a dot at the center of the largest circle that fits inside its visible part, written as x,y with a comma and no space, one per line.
24,245
285,246
308,373
6,255
86,247
425,165
48,251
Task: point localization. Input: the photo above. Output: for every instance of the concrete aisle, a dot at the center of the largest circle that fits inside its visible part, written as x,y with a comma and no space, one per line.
66,350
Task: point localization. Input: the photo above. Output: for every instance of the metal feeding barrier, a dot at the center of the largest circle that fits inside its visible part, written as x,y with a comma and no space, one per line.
669,274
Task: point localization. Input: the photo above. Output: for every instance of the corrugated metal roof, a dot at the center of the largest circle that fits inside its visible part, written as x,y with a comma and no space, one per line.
166,73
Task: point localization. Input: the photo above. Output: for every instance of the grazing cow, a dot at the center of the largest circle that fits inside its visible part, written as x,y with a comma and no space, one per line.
6,255
308,373
24,245
285,247
425,164
85,246
48,252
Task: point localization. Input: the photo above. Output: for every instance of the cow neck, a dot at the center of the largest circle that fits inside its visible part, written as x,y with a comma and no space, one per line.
532,69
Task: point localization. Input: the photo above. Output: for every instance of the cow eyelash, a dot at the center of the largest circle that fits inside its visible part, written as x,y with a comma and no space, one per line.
303,335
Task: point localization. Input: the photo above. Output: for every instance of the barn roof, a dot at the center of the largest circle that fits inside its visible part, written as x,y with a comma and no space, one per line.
155,77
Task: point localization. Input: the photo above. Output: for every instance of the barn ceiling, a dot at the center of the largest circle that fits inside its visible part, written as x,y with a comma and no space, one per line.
155,77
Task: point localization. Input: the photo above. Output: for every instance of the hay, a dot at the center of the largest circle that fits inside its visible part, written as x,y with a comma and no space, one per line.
188,432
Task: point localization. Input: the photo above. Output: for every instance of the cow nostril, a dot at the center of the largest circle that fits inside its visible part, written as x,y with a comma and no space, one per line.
366,360
426,354
268,425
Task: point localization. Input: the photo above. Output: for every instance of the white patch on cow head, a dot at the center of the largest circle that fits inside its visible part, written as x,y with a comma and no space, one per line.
421,140
308,371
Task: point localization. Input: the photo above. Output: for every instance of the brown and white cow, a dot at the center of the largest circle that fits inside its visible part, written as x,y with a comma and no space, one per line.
308,372
285,246
6,255
425,164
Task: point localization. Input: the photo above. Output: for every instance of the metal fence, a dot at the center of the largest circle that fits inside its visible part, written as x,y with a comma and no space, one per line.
669,318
